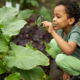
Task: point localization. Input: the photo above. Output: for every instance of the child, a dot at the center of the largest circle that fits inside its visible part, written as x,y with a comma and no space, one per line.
66,14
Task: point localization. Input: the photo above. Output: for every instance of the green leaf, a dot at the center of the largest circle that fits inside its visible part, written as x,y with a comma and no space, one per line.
13,28
35,3
25,14
29,45
2,68
3,44
7,14
9,23
14,76
1,26
52,48
44,12
39,21
25,58
33,74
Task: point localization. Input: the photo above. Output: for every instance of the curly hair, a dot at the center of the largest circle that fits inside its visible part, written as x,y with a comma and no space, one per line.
72,8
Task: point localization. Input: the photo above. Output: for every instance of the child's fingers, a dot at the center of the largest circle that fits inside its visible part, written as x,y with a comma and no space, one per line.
44,23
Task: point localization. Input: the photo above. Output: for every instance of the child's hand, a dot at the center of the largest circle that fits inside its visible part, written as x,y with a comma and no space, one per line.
48,26
66,76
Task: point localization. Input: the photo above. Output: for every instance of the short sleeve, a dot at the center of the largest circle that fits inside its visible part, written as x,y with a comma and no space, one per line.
75,37
60,32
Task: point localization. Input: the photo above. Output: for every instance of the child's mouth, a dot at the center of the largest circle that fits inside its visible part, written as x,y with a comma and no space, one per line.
54,25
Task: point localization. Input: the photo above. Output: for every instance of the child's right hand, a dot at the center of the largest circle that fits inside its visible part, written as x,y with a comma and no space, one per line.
66,76
48,26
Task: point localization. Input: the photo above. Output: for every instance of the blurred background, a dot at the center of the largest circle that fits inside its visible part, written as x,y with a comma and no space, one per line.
29,4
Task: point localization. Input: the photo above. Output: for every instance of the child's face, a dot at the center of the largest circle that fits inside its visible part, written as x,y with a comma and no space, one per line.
60,18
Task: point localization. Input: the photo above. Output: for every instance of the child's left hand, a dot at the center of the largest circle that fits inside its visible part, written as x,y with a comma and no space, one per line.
48,26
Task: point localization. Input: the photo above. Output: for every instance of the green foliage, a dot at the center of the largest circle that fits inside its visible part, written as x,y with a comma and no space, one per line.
24,58
33,74
3,44
52,48
41,12
44,12
33,2
21,55
29,45
6,14
25,14
14,76
39,20
8,26
2,67
29,3
13,28
25,3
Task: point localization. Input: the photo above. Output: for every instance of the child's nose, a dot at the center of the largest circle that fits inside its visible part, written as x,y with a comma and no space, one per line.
54,19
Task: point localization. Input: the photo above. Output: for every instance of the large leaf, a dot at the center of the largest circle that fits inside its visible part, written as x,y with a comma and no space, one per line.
25,14
3,44
25,58
33,74
14,76
9,24
52,48
6,14
13,28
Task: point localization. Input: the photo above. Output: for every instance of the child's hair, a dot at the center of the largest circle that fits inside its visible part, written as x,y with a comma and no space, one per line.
72,8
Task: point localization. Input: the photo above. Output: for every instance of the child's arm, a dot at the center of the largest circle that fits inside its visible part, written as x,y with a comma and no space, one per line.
66,47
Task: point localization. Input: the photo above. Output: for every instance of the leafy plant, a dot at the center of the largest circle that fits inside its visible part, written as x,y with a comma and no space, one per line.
52,48
33,32
23,59
19,55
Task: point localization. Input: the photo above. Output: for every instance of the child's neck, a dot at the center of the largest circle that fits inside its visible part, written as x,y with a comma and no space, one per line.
67,30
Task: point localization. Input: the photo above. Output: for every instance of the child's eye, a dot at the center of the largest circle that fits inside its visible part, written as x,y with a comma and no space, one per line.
58,16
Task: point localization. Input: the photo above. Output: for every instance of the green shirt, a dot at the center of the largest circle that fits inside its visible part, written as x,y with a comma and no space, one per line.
73,35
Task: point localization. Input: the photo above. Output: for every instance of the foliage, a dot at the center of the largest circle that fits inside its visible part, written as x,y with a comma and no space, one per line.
23,3
29,12
52,48
2,67
44,11
14,76
33,32
25,59
29,3
22,55
22,14
9,29
33,74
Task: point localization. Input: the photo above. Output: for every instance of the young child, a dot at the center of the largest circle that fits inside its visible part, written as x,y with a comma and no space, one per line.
66,14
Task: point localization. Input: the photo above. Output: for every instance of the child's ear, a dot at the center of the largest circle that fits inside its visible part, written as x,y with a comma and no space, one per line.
71,21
